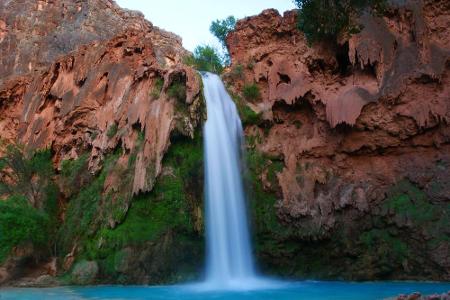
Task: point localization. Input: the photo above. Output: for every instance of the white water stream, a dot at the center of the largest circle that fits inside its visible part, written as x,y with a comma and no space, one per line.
229,257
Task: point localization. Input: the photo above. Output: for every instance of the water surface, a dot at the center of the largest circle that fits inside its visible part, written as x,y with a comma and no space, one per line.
287,291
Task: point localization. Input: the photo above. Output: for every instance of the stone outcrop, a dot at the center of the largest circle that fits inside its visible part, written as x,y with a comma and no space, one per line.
33,34
362,131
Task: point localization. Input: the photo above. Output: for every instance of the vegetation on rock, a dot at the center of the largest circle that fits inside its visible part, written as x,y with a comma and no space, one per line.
251,92
248,116
220,29
157,88
28,174
112,130
22,225
28,215
326,19
164,225
177,90
205,58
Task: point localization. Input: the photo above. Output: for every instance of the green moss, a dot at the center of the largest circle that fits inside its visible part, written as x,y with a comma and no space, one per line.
70,169
74,174
251,92
384,243
112,130
151,217
263,202
408,201
82,215
273,169
248,116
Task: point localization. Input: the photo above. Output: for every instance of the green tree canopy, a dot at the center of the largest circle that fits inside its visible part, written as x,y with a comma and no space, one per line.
28,174
206,58
221,28
326,19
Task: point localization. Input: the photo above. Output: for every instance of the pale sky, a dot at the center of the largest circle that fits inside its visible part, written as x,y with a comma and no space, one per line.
191,19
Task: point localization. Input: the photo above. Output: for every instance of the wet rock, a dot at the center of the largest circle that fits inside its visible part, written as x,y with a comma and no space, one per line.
84,272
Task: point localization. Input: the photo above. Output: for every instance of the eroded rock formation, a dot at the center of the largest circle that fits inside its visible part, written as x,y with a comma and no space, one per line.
361,130
87,79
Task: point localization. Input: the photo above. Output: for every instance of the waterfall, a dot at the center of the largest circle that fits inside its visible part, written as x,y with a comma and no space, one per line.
229,259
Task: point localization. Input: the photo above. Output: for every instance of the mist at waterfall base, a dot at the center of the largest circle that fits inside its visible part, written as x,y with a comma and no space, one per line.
230,270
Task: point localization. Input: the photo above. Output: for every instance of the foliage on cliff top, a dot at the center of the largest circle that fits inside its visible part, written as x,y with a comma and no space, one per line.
220,29
205,58
326,19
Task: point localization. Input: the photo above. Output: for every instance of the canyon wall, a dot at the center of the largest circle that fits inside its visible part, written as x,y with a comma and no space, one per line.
107,94
348,143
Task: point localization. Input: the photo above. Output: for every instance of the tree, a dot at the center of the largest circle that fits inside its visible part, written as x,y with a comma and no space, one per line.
220,29
206,58
28,174
326,19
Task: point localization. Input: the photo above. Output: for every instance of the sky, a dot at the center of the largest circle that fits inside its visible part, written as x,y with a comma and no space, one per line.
191,19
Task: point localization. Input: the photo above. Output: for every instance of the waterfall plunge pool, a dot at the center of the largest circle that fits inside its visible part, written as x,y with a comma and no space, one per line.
288,290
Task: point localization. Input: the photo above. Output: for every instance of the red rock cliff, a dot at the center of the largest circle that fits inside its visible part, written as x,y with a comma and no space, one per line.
73,70
362,131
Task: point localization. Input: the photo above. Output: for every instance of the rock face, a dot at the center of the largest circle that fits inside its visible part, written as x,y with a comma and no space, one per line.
33,34
69,102
85,272
92,81
355,140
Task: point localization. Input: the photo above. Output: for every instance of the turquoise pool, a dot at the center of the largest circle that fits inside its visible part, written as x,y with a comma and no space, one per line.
292,291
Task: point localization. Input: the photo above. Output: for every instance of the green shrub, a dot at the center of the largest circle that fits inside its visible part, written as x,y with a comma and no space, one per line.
205,58
21,224
237,72
112,130
177,90
71,168
74,174
326,19
251,92
248,116
157,88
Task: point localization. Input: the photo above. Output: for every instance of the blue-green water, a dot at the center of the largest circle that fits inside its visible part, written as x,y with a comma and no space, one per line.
292,291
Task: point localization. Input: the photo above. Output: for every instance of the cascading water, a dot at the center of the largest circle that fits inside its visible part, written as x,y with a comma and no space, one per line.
229,257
